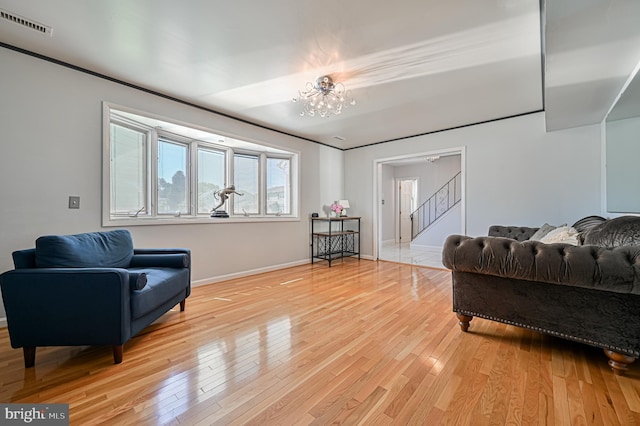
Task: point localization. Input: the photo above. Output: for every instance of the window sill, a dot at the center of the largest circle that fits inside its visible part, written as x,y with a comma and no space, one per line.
189,220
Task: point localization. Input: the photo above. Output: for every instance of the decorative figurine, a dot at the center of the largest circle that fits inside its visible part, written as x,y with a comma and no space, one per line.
223,195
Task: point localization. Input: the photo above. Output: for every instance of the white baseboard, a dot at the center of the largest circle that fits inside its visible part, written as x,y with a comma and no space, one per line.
250,272
247,273
3,322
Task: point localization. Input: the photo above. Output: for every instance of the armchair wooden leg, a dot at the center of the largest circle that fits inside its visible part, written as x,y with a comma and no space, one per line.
618,362
29,356
182,305
464,321
117,353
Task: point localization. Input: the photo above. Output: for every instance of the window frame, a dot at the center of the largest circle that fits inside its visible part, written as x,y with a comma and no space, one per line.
163,137
146,165
266,184
196,164
232,203
228,145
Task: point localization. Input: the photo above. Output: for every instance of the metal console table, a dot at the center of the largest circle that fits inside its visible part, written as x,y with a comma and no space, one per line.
335,237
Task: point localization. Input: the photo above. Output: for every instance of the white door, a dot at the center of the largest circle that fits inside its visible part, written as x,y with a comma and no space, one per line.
406,205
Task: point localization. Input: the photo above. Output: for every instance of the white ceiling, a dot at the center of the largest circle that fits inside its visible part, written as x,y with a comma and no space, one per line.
592,47
414,66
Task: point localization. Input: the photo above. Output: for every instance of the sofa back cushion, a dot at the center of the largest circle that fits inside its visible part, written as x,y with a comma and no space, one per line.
518,233
111,249
618,232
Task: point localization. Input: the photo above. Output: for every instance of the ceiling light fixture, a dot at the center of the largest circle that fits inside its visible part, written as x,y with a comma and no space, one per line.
324,97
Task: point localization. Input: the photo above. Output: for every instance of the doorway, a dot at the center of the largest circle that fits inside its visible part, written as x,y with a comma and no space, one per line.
399,189
406,204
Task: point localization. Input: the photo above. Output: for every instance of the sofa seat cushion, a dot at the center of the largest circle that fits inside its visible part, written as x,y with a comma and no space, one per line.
110,249
162,285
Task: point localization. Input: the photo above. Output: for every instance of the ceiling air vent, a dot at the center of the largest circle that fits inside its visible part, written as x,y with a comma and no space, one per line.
33,25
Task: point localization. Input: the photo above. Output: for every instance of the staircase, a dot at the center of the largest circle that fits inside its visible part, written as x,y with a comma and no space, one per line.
443,200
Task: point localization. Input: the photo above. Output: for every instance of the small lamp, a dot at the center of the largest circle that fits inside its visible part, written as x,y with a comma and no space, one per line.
345,205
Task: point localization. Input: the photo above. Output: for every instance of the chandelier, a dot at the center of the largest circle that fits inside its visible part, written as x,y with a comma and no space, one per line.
324,97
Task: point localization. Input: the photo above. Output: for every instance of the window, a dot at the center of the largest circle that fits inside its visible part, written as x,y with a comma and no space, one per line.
245,176
173,185
278,186
128,169
210,177
157,171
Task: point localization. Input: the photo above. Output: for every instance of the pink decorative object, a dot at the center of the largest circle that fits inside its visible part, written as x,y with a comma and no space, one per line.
337,208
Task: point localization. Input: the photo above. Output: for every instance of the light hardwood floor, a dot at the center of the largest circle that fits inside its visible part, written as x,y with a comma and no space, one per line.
361,342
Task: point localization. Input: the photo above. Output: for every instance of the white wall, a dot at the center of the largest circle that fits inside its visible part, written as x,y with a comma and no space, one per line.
516,173
623,173
50,148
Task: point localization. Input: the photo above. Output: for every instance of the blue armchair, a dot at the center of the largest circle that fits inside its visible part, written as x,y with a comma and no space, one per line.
90,289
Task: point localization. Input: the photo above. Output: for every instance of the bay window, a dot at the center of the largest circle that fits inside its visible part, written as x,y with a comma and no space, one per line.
157,171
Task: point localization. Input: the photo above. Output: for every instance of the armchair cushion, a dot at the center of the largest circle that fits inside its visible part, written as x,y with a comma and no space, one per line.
111,249
163,284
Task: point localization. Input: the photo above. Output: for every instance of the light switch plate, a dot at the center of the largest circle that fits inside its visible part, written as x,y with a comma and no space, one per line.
74,202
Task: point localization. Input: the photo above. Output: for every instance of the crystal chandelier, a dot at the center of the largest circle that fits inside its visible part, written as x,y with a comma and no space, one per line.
324,97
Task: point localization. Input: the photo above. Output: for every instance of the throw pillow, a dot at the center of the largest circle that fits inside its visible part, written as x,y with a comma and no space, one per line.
563,234
588,222
542,231
137,280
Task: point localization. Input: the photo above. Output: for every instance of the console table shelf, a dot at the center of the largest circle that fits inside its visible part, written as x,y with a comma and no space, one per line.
335,237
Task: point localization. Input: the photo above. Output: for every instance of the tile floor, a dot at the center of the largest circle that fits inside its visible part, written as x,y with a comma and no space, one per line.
404,253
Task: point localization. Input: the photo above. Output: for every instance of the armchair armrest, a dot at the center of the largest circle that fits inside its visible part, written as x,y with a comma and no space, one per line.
162,251
67,306
166,260
161,257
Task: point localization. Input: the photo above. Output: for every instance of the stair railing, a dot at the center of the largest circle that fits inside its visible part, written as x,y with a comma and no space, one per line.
443,200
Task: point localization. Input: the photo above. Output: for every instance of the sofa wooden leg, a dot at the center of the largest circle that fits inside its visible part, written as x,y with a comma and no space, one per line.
618,362
29,356
117,353
182,305
464,321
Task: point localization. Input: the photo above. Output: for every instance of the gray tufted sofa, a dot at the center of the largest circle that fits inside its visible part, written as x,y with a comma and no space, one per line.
588,293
